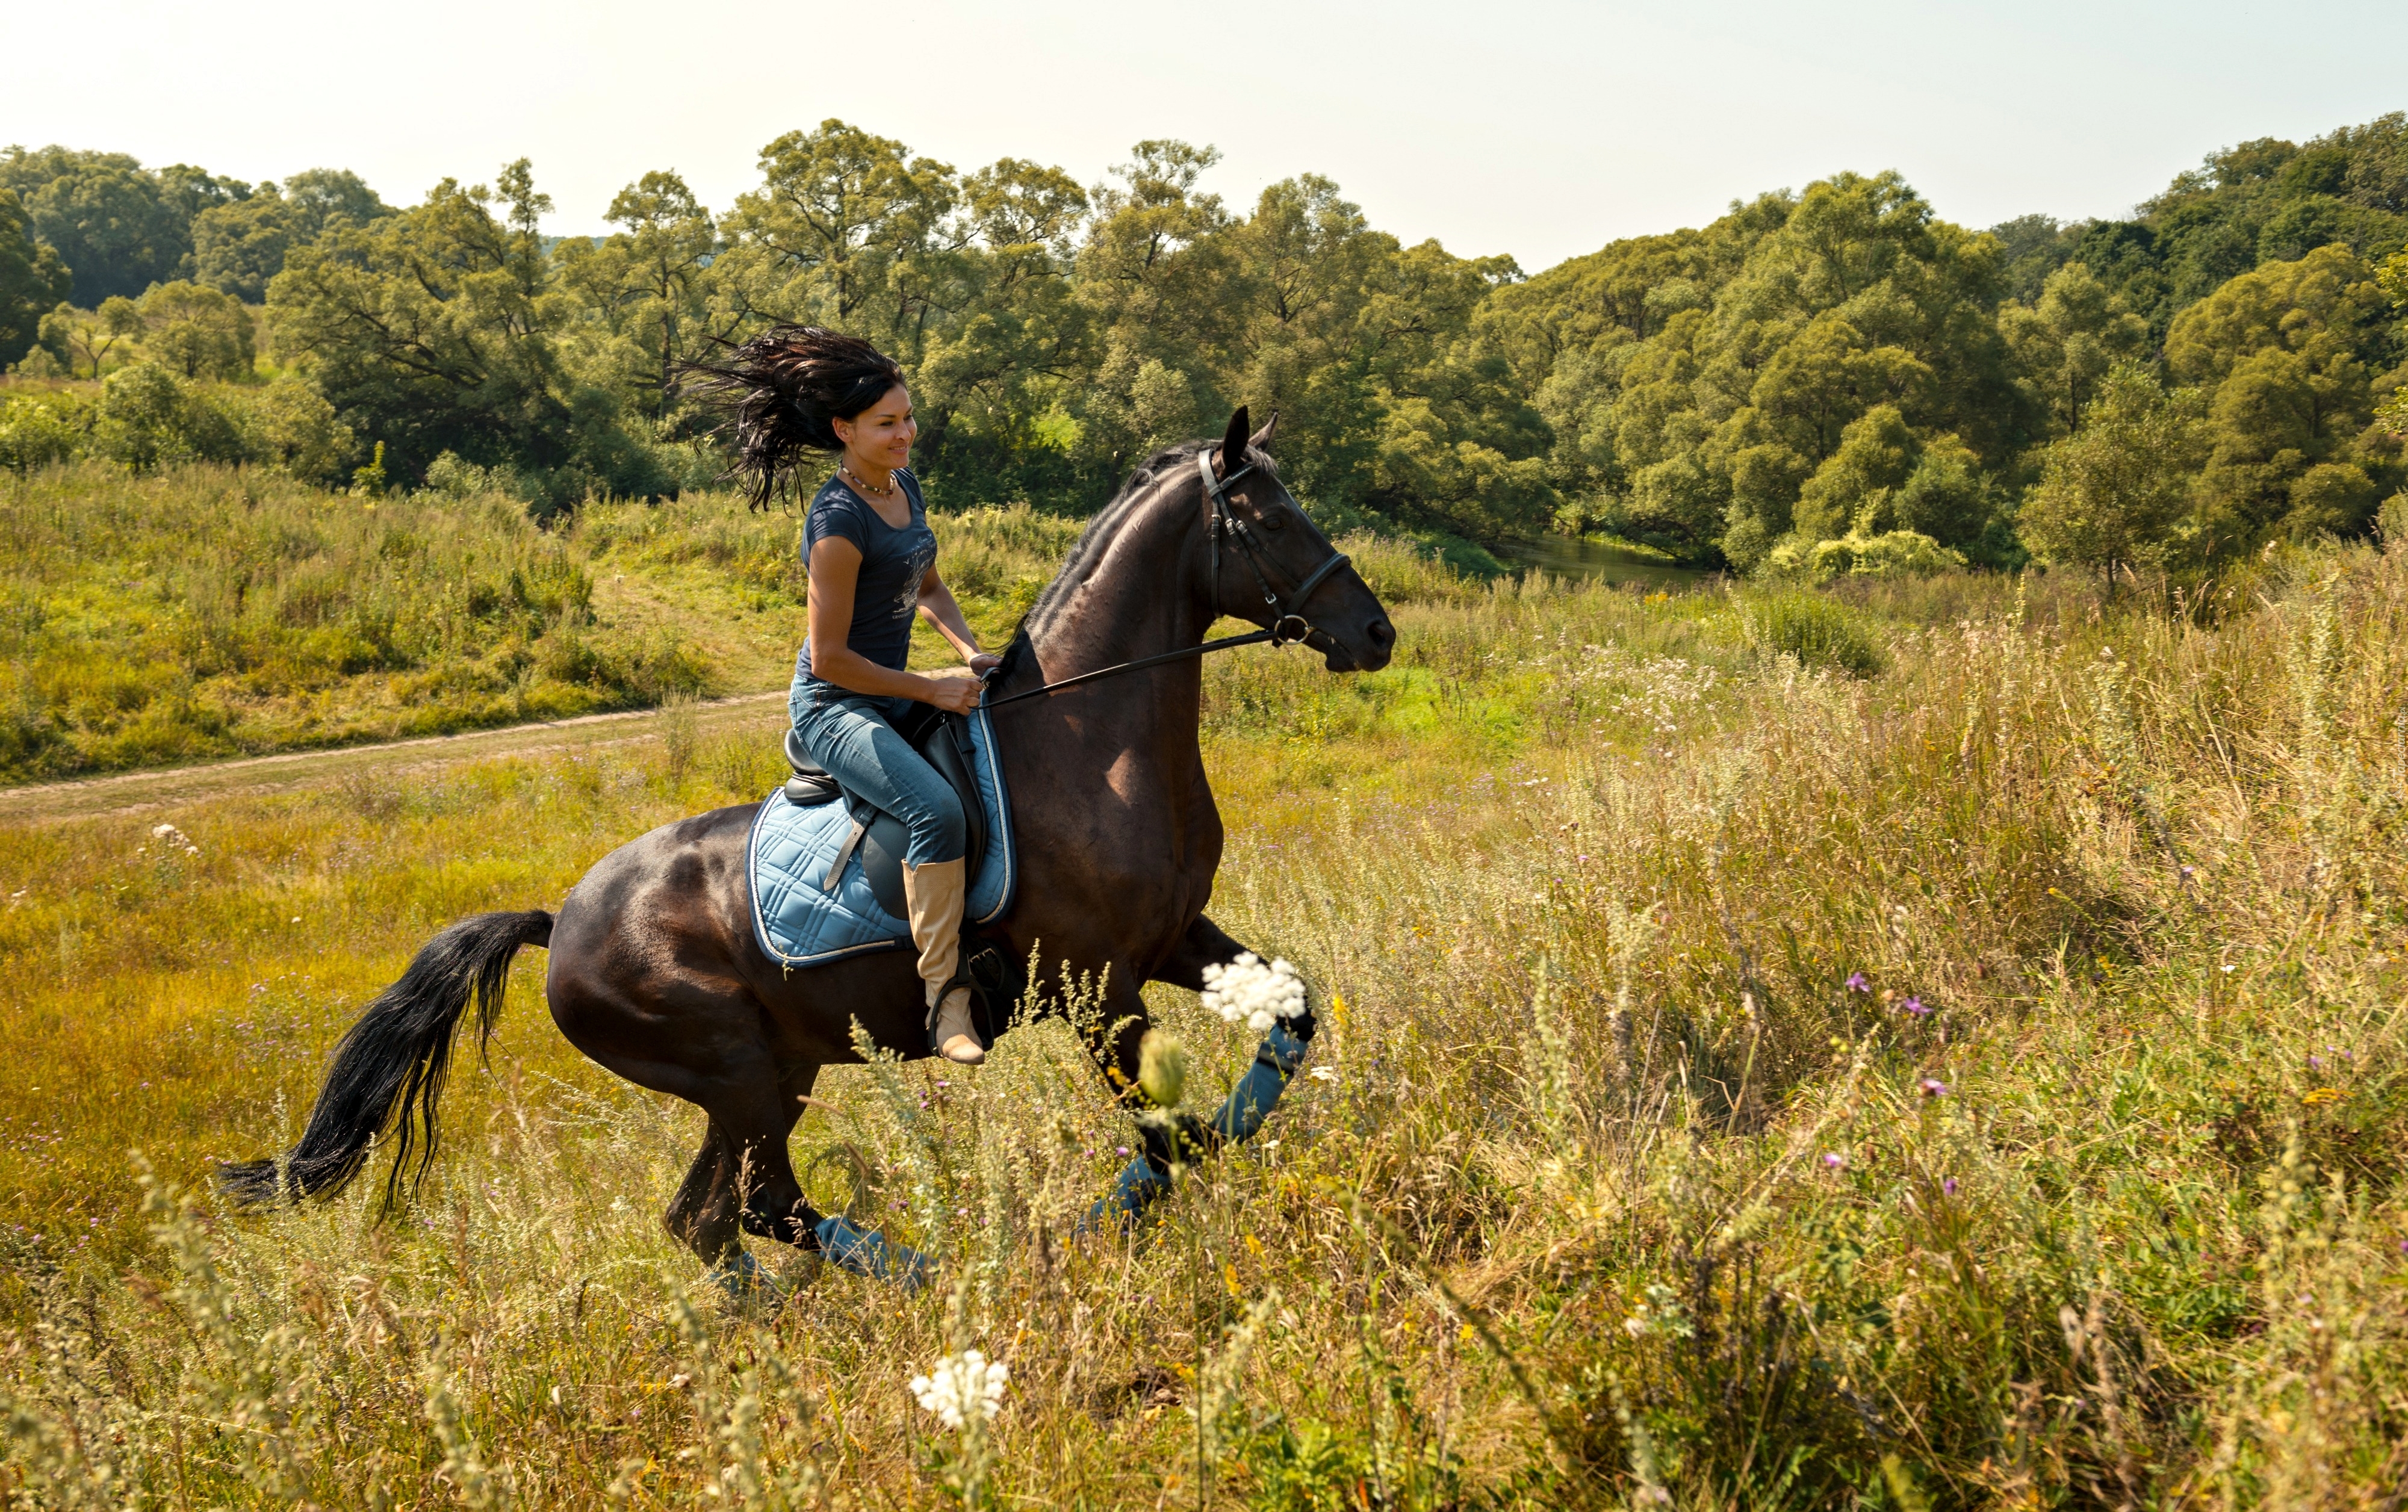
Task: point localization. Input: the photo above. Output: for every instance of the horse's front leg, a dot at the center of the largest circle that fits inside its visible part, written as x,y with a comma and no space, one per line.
1276,1060
1115,1038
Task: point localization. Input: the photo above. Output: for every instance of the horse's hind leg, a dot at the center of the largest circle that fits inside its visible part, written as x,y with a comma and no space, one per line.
744,1181
707,1213
702,1215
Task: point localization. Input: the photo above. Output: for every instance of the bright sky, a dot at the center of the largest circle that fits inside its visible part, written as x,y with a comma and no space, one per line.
1533,127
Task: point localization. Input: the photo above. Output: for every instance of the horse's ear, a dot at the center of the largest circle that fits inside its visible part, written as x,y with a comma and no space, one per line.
1233,445
1261,439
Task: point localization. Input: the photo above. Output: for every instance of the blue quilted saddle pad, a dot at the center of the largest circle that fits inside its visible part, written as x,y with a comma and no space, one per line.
801,920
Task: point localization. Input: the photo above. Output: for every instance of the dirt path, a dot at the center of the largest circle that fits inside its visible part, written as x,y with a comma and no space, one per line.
132,792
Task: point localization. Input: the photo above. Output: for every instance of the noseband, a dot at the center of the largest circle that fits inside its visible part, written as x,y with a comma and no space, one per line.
1220,525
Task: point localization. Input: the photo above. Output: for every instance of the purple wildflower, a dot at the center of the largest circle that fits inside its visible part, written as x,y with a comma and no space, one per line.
1932,1088
1123,1149
1915,1006
1833,1160
2315,1062
1948,1186
1857,982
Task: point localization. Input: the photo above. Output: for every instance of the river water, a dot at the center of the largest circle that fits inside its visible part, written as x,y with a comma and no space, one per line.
1572,556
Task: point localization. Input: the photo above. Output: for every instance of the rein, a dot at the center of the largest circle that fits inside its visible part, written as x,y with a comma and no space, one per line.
1222,525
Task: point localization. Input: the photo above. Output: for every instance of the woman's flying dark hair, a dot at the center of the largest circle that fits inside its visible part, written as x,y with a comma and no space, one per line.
782,390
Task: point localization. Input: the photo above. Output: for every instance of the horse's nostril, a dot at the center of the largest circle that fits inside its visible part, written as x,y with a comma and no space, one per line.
1383,633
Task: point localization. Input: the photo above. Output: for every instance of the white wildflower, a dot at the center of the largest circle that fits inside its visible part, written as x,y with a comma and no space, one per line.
963,1387
162,831
1250,992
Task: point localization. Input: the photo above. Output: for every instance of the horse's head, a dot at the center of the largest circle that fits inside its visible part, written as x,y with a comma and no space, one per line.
1269,564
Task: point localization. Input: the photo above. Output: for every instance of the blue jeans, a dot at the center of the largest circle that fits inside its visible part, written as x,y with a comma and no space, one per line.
853,738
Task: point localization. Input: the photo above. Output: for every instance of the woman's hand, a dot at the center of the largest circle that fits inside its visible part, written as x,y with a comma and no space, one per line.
955,695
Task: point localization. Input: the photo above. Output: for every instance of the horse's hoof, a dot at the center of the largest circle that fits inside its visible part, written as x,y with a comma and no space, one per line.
746,1283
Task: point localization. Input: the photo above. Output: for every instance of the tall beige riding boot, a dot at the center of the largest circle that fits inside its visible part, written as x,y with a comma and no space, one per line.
934,894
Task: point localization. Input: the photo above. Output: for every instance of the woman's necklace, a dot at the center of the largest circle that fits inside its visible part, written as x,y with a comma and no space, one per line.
862,483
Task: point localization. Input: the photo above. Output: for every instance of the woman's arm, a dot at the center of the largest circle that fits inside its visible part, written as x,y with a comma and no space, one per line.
936,602
835,572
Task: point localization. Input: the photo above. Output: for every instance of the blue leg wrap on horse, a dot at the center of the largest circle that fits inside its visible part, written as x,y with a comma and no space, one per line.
742,1278
868,1252
1138,1187
1250,1102
1257,1092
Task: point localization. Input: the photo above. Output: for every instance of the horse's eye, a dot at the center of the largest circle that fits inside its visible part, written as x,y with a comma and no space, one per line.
1275,518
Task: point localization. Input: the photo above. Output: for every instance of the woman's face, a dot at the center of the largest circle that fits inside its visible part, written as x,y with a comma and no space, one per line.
881,434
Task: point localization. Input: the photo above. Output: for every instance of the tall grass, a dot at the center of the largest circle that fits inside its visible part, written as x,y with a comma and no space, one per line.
1747,1084
205,612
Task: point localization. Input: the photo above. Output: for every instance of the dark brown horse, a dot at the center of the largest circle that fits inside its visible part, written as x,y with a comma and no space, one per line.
656,971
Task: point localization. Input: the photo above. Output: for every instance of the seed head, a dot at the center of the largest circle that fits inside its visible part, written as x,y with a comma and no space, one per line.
1162,1068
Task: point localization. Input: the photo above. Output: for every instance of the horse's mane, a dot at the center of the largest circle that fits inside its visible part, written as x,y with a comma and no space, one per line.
1169,464
1097,536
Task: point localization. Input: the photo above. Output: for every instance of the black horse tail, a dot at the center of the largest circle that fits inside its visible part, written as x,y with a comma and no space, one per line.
389,1069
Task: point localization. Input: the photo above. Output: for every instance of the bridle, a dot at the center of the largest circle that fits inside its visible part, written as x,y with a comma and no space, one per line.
1223,526
1220,525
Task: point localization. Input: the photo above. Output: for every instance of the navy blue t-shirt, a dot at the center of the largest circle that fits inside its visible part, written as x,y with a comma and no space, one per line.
886,597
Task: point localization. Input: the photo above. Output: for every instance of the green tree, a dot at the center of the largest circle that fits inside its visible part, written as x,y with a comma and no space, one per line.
237,247
316,198
2263,201
846,229
197,331
1852,488
1697,382
2116,493
438,330
33,280
644,289
118,228
81,339
240,244
2393,280
1154,270
2281,351
2063,343
993,374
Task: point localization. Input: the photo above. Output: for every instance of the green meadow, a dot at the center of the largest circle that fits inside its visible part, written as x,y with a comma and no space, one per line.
1928,1043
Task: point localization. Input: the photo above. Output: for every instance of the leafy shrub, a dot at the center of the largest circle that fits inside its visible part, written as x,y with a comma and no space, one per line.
288,426
1816,630
1891,553
147,419
34,433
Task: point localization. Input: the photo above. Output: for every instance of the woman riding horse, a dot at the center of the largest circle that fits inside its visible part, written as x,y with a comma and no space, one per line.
872,560
656,972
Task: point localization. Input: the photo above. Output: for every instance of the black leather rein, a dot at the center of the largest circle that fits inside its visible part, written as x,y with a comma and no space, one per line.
1221,525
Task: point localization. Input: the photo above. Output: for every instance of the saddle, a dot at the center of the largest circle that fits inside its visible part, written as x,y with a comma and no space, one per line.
943,741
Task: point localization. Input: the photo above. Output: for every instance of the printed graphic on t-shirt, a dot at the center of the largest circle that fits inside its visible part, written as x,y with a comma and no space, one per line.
924,556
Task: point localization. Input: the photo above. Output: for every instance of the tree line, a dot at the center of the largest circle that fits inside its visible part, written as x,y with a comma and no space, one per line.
1824,380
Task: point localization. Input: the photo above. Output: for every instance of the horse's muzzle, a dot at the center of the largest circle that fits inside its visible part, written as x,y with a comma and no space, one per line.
1369,651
